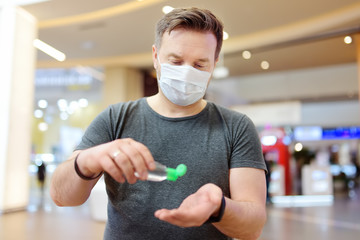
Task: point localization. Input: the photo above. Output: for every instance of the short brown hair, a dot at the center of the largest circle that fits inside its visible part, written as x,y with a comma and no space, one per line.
193,19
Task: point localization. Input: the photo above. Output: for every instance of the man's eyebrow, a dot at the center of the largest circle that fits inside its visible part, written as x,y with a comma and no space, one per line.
203,60
174,55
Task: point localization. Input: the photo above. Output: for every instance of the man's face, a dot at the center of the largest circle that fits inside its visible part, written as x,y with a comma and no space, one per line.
186,47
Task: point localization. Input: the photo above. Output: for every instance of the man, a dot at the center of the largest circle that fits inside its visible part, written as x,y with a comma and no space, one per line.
223,193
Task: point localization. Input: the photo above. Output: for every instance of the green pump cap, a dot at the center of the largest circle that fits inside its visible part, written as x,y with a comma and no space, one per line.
173,174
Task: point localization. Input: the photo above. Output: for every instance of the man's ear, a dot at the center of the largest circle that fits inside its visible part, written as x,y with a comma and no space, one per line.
154,56
216,61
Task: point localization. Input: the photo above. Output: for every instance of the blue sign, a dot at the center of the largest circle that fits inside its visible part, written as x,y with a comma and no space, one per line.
341,133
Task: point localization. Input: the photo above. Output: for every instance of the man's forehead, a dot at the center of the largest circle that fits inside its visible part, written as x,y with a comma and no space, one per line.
202,44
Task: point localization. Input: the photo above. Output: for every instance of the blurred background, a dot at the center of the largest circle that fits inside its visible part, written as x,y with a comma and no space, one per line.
292,66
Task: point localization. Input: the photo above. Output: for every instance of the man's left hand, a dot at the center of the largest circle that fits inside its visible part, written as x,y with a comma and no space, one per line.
195,209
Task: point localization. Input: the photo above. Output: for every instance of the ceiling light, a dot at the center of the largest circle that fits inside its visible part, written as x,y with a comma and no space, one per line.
167,9
221,72
246,54
38,113
225,35
49,50
42,103
298,147
265,65
62,104
43,126
347,39
83,102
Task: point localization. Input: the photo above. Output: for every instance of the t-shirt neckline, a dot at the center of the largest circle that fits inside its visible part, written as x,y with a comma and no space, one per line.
173,119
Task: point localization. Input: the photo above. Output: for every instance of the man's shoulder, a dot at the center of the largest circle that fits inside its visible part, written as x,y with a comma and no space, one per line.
226,112
125,107
127,104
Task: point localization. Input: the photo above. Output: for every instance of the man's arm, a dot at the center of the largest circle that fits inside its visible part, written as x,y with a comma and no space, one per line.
245,213
119,158
66,187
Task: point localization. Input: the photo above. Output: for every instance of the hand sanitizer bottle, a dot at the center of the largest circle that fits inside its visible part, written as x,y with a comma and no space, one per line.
162,173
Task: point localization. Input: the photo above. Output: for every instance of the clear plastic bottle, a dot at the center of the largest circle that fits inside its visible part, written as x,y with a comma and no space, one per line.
162,173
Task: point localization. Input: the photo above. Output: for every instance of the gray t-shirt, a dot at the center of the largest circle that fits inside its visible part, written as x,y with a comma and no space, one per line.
208,143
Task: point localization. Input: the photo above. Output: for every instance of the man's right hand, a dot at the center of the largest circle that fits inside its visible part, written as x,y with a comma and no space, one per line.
120,159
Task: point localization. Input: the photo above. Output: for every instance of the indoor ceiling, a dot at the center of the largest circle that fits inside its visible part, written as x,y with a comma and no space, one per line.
287,34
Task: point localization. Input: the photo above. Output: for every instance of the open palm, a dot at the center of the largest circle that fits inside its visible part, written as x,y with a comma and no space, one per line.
195,209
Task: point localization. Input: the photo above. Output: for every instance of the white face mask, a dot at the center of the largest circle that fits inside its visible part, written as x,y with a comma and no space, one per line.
183,85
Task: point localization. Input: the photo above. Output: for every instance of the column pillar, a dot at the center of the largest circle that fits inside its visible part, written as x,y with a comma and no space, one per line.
18,29
357,43
122,84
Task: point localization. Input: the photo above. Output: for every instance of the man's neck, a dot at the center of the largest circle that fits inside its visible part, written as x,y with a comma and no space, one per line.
160,104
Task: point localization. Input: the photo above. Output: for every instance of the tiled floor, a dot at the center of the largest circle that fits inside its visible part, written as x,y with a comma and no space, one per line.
44,221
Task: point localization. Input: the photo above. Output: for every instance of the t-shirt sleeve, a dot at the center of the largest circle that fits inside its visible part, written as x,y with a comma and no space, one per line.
246,147
98,132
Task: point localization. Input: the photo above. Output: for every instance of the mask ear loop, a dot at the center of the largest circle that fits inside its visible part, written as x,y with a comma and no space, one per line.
158,58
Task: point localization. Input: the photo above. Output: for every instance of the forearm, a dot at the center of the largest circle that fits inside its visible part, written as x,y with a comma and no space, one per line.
67,188
119,158
242,220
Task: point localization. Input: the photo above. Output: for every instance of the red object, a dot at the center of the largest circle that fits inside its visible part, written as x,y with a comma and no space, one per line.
282,156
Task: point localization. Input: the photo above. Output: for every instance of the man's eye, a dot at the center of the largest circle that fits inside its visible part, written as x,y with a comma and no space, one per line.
199,66
176,62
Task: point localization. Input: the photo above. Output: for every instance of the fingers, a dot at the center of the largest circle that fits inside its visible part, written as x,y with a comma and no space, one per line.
195,209
132,161
112,166
145,153
169,216
179,218
129,157
120,159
